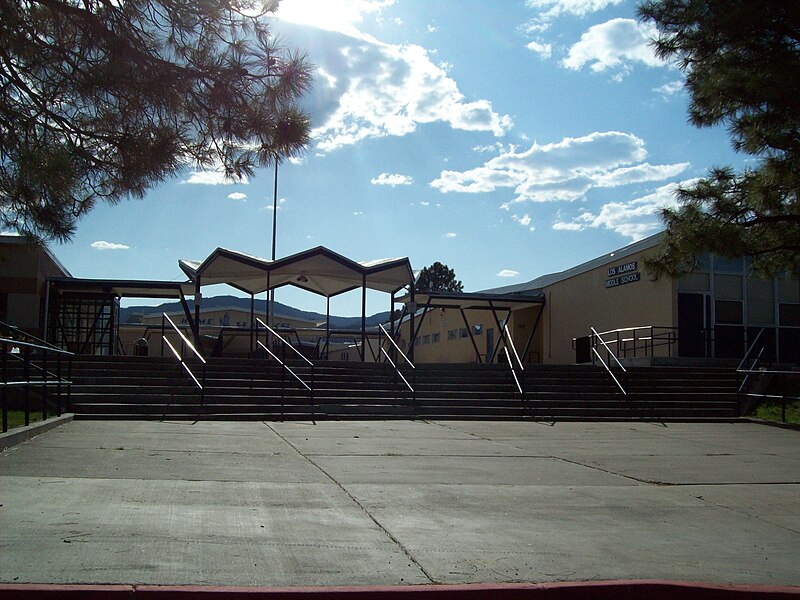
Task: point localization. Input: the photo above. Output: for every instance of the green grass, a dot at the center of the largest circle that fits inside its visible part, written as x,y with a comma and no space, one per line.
771,411
16,418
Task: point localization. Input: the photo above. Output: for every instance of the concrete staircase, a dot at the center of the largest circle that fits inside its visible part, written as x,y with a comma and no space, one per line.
156,388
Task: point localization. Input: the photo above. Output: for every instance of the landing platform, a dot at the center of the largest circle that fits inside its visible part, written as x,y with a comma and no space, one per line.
399,503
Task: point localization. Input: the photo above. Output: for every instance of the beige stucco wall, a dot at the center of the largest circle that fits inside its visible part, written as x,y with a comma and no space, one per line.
23,270
454,344
578,303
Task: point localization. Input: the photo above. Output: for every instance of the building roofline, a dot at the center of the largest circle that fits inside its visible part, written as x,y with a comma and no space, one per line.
549,279
13,238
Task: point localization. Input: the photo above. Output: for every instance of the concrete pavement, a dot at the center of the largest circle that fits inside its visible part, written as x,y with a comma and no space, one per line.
400,502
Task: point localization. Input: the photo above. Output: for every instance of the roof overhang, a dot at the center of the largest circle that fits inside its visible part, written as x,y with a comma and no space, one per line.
318,270
124,288
479,300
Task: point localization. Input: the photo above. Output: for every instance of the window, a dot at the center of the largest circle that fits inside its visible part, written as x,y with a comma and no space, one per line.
426,340
451,334
435,338
728,312
789,315
477,329
463,332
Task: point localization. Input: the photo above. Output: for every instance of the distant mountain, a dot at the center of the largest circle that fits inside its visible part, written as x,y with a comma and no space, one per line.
260,307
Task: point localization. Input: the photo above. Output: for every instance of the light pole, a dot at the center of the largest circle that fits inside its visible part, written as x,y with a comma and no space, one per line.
271,298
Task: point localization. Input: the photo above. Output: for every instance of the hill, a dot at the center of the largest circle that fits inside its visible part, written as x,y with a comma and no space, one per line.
260,308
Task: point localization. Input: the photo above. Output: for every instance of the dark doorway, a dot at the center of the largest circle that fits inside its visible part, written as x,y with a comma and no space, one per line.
692,321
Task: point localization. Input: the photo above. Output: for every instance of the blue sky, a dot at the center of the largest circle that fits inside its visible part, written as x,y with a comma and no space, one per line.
505,138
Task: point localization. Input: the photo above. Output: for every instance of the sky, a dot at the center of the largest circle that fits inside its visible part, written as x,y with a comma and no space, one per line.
507,139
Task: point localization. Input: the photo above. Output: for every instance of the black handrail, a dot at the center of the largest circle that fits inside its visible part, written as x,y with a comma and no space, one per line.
610,355
24,352
179,355
285,367
396,366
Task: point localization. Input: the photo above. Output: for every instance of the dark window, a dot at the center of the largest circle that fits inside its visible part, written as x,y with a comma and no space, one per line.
728,312
790,315
463,332
477,329
727,264
435,338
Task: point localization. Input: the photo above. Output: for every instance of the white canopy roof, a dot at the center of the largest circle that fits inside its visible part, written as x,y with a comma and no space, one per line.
317,270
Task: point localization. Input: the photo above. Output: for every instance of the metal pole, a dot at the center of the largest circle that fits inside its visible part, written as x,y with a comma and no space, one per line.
364,318
26,376
5,388
270,317
252,320
327,326
44,385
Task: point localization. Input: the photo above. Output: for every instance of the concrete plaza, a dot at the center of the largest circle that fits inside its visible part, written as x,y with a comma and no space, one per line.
400,502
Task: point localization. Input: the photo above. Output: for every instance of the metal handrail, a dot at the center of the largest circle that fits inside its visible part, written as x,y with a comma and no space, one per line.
284,341
284,365
396,347
27,382
396,367
749,350
509,341
513,372
179,355
607,367
391,362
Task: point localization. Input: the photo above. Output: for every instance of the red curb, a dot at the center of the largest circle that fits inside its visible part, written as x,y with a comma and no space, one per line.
587,590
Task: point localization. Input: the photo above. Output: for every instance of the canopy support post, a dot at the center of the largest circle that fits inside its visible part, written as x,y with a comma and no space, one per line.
327,326
364,318
198,299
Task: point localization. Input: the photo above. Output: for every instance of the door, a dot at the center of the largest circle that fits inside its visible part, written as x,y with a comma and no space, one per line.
692,324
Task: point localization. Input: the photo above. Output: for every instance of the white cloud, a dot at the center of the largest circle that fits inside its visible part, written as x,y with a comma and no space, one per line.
341,16
562,171
450,235
507,273
392,179
237,196
616,45
640,173
579,8
358,213
671,88
389,90
540,48
213,177
524,220
635,219
103,245
281,202
425,203
565,226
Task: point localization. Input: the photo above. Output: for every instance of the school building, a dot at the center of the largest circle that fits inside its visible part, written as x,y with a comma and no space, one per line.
716,312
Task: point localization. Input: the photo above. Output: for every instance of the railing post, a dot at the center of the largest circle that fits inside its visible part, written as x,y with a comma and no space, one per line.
783,399
163,333
5,387
26,372
283,390
58,384
44,385
69,383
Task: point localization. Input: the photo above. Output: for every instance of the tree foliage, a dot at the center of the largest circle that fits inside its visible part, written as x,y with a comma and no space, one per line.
742,66
101,99
438,278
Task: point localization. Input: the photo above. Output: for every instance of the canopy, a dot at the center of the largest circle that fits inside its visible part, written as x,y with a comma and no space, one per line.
124,288
317,270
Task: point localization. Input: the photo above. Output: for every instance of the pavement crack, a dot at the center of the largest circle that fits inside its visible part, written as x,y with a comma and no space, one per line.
364,509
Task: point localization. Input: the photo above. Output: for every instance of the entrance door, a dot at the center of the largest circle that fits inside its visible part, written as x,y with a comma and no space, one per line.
692,323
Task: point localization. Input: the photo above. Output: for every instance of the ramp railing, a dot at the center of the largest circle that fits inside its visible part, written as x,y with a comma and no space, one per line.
20,353
596,337
285,368
185,343
396,366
